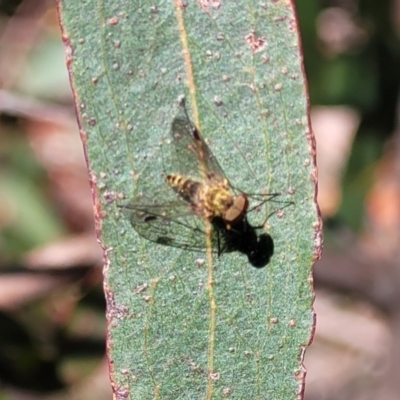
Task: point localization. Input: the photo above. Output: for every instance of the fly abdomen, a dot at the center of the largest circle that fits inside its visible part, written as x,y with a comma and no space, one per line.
186,187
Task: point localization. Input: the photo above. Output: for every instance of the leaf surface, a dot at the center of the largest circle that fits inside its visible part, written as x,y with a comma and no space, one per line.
181,325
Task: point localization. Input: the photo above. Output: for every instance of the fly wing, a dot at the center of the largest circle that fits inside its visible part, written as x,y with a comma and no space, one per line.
191,152
174,224
171,224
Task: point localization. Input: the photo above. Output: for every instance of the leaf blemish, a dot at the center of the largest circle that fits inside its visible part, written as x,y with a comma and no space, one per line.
182,3
113,21
218,101
256,44
206,5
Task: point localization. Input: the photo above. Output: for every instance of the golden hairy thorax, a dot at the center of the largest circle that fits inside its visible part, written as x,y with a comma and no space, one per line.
211,198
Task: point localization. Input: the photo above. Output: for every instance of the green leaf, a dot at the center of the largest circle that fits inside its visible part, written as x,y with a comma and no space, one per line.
180,328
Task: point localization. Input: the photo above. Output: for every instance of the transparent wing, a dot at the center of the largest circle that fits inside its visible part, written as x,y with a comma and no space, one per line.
191,152
170,224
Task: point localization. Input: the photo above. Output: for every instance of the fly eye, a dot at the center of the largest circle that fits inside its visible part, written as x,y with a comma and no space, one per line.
237,211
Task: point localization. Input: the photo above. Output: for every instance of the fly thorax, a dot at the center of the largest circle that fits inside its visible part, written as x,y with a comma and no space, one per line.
186,187
217,200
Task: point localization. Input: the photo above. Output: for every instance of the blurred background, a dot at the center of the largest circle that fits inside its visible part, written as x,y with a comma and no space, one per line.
52,335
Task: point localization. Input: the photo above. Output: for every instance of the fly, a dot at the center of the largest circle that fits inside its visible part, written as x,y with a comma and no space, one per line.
174,214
